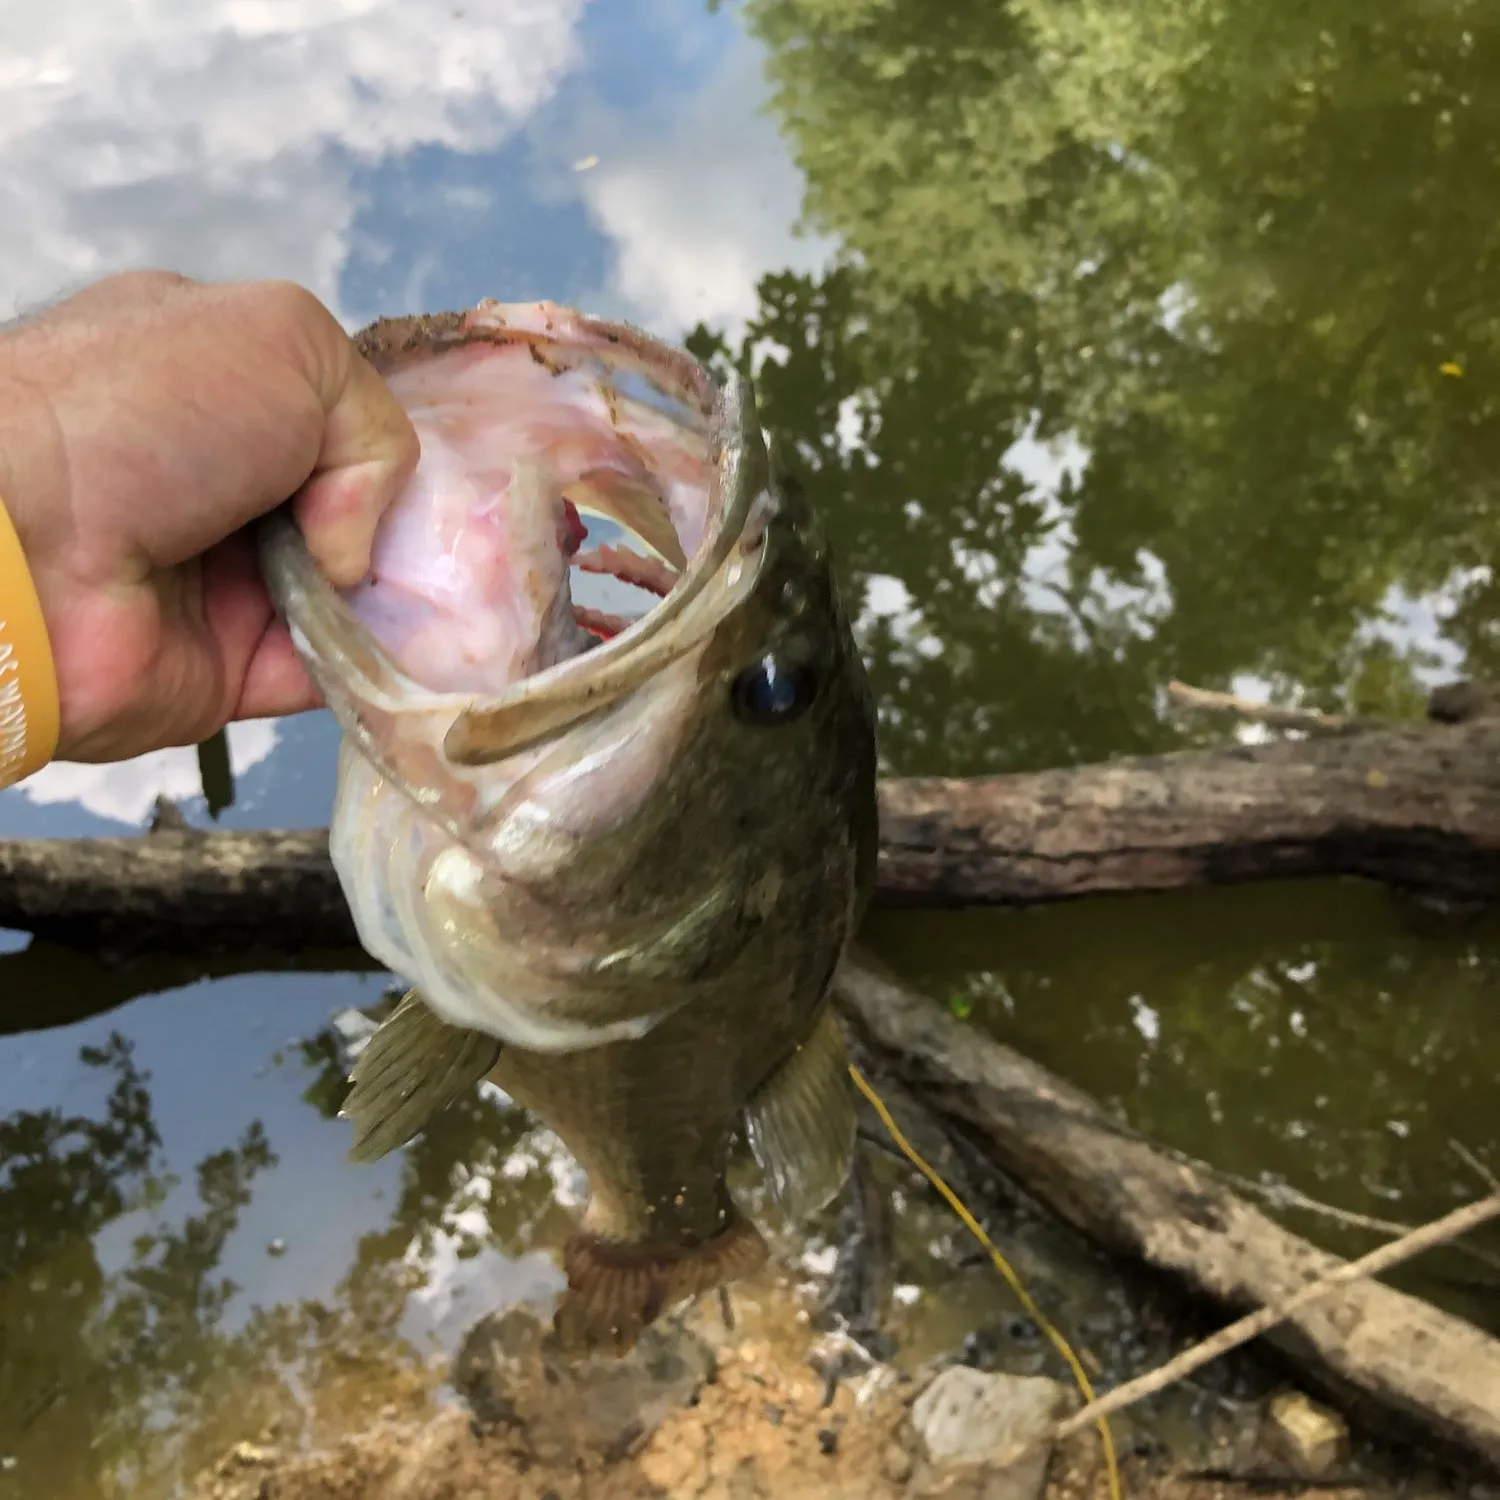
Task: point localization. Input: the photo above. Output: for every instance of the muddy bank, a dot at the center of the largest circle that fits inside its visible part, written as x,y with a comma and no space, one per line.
779,1413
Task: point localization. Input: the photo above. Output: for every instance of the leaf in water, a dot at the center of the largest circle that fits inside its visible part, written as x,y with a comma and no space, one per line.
216,773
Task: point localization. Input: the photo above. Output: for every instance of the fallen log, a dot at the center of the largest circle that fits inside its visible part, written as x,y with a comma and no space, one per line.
1377,1350
1416,806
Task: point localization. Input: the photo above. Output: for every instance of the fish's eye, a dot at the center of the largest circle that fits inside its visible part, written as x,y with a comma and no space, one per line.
772,692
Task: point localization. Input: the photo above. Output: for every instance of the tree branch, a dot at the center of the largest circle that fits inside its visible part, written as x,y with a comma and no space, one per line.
1416,806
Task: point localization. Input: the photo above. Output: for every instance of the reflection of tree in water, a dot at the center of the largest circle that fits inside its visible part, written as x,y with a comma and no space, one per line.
90,1359
1223,249
117,1382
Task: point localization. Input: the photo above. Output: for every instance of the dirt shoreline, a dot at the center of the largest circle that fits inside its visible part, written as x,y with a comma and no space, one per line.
709,1414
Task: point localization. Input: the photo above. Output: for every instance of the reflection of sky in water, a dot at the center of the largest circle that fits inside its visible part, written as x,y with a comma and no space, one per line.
209,1050
393,155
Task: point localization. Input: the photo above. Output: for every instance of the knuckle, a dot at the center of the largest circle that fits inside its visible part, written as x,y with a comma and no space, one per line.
148,285
300,328
289,306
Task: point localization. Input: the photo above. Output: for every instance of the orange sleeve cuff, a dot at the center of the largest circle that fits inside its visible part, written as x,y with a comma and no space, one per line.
29,717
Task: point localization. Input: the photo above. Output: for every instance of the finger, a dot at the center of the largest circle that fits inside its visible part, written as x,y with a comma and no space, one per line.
261,674
369,451
276,683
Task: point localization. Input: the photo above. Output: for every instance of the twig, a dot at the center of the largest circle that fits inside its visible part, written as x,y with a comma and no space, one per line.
1475,1165
1312,720
1460,1221
1287,1197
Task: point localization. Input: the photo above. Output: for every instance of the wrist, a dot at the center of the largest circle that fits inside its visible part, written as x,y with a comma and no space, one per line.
29,446
29,707
29,698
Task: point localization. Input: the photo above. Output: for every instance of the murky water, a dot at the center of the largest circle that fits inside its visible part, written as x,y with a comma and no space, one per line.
1122,343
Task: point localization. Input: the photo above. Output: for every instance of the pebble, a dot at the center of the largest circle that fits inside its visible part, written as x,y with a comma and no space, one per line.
247,1456
1309,1439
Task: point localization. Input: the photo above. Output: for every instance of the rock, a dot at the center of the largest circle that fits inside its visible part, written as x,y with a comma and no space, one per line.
559,1409
966,1417
836,1357
1460,702
1308,1439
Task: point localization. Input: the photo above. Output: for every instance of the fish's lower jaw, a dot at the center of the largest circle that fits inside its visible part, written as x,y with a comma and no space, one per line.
616,1291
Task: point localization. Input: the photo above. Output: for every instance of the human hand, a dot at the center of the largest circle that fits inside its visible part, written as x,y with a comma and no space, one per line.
144,424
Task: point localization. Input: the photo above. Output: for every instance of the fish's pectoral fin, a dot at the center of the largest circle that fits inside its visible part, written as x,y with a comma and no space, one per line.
801,1122
414,1066
615,1292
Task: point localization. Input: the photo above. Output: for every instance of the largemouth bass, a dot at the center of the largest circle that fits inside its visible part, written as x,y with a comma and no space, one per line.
617,854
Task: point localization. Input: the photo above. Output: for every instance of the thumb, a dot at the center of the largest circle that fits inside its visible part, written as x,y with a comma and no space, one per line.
369,451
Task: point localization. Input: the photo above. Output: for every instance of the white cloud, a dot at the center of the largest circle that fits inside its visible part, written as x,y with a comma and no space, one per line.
219,137
126,791
699,205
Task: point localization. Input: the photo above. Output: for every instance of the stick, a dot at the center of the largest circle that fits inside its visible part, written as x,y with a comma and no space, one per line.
1474,1164
1312,720
1460,1221
1286,1197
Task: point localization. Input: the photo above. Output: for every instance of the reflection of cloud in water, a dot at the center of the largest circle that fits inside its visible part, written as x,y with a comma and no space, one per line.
127,790
219,137
699,206
462,1276
1415,623
889,603
539,1150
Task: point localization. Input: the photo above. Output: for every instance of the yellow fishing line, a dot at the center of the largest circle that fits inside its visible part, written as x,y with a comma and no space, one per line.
1022,1295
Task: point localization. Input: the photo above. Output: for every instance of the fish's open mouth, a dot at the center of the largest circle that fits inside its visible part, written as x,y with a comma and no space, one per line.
588,506
562,488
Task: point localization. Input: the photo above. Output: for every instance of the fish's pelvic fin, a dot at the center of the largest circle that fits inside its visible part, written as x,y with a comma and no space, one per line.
801,1123
617,1291
414,1066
